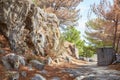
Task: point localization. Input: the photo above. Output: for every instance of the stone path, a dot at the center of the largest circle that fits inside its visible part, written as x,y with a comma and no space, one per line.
91,71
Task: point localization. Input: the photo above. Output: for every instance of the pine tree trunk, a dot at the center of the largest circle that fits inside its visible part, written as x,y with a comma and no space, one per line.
115,33
118,41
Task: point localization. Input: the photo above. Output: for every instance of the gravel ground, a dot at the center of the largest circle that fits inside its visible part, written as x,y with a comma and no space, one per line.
91,71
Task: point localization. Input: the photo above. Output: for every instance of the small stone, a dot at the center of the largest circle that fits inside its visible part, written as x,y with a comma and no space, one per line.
23,73
91,60
14,76
114,77
30,67
2,51
38,65
71,75
21,60
79,78
49,60
55,78
43,72
90,78
38,77
5,63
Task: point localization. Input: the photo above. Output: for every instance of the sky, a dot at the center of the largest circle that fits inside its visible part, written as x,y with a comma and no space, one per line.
84,8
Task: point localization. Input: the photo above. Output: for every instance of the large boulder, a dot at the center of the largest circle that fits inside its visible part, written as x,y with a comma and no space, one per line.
71,49
13,61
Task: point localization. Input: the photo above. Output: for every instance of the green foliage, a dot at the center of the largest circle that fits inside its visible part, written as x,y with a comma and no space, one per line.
97,34
89,51
73,35
33,0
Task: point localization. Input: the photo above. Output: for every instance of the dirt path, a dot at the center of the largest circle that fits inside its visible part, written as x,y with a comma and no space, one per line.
91,71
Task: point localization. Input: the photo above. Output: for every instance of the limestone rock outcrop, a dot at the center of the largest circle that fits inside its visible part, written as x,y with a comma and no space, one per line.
31,30
28,28
71,49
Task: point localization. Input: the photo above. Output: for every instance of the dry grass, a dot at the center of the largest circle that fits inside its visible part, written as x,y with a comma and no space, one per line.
116,66
56,72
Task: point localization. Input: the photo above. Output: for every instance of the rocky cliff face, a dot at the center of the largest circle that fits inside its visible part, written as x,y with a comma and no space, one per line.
34,38
28,27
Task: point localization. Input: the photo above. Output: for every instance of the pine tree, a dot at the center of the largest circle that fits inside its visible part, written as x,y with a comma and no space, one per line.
73,35
111,14
98,34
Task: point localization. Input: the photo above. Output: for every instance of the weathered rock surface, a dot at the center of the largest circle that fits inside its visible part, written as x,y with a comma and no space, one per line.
101,78
30,30
28,27
13,61
13,75
44,72
2,51
55,78
37,64
71,49
24,73
38,77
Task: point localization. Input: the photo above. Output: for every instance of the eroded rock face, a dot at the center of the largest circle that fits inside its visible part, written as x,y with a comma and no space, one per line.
28,27
71,49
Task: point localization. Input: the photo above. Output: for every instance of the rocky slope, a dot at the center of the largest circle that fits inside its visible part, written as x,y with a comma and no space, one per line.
30,67
30,39
27,27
